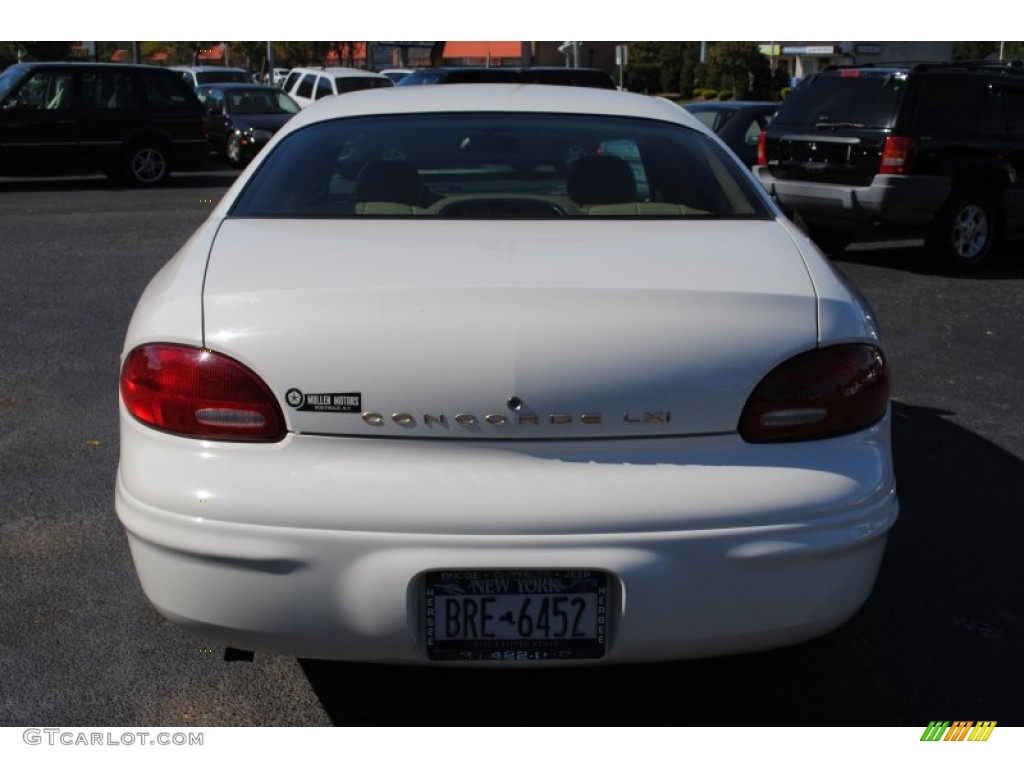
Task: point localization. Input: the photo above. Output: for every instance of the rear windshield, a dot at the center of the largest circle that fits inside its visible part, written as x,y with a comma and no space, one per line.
349,84
466,75
498,166
223,77
847,98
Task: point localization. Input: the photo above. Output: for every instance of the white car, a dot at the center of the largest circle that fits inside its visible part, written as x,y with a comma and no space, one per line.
308,84
277,77
206,75
441,382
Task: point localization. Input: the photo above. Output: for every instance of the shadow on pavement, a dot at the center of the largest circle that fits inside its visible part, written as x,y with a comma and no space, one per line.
940,638
212,174
910,256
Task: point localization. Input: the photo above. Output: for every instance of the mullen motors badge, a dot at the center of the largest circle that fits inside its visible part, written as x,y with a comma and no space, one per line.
325,402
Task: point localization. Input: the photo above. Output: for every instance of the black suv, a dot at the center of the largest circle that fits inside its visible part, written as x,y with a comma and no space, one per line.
932,149
135,123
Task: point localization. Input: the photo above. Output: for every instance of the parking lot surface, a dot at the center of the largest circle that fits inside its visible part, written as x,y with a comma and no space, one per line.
80,645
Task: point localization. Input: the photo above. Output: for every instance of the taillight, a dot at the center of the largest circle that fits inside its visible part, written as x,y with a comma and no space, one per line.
762,148
823,393
198,393
896,155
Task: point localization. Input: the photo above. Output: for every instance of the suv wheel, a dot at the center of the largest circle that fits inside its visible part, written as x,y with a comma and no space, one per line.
146,164
963,234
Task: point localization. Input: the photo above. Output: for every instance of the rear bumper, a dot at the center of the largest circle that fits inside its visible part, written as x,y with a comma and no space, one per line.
705,556
908,201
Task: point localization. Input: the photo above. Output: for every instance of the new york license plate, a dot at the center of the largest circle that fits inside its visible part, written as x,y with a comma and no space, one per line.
515,615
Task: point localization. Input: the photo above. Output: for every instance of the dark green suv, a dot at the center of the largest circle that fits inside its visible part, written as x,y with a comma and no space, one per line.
929,149
133,122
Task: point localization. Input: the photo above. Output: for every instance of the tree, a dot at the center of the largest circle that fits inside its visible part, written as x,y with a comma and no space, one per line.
659,67
974,51
37,51
740,67
251,55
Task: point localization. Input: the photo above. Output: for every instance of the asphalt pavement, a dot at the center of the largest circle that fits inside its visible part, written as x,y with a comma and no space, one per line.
80,646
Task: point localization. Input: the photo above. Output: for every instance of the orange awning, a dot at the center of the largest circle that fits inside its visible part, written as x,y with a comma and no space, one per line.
481,50
356,52
214,53
121,54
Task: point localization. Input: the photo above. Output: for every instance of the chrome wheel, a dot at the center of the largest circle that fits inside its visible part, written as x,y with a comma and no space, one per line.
965,231
147,165
970,233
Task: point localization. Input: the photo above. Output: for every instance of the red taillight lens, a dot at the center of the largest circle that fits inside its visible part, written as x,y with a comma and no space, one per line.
762,148
896,155
198,393
822,393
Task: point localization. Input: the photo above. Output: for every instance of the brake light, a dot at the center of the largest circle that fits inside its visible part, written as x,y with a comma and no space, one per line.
198,393
823,393
896,155
762,148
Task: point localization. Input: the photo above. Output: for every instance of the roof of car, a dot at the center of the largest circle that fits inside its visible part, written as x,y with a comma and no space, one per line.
238,86
552,99
730,104
339,71
204,68
86,65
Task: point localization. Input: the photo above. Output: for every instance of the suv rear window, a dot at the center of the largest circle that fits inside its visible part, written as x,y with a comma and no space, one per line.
845,98
498,166
349,84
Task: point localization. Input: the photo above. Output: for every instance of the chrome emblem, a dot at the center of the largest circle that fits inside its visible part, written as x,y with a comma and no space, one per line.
444,421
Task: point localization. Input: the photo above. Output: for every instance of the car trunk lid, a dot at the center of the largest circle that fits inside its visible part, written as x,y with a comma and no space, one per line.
505,330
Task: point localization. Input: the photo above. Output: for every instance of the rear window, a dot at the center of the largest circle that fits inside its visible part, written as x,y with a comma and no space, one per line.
845,98
163,90
349,84
712,118
498,166
223,77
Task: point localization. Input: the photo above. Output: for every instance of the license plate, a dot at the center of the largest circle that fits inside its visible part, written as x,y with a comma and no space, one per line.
515,615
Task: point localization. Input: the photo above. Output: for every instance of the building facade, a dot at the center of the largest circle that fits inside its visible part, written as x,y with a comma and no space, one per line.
801,59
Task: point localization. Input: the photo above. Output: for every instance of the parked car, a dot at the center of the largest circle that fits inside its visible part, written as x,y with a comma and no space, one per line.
929,149
135,123
395,75
277,77
737,123
242,118
436,383
593,78
205,75
306,85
